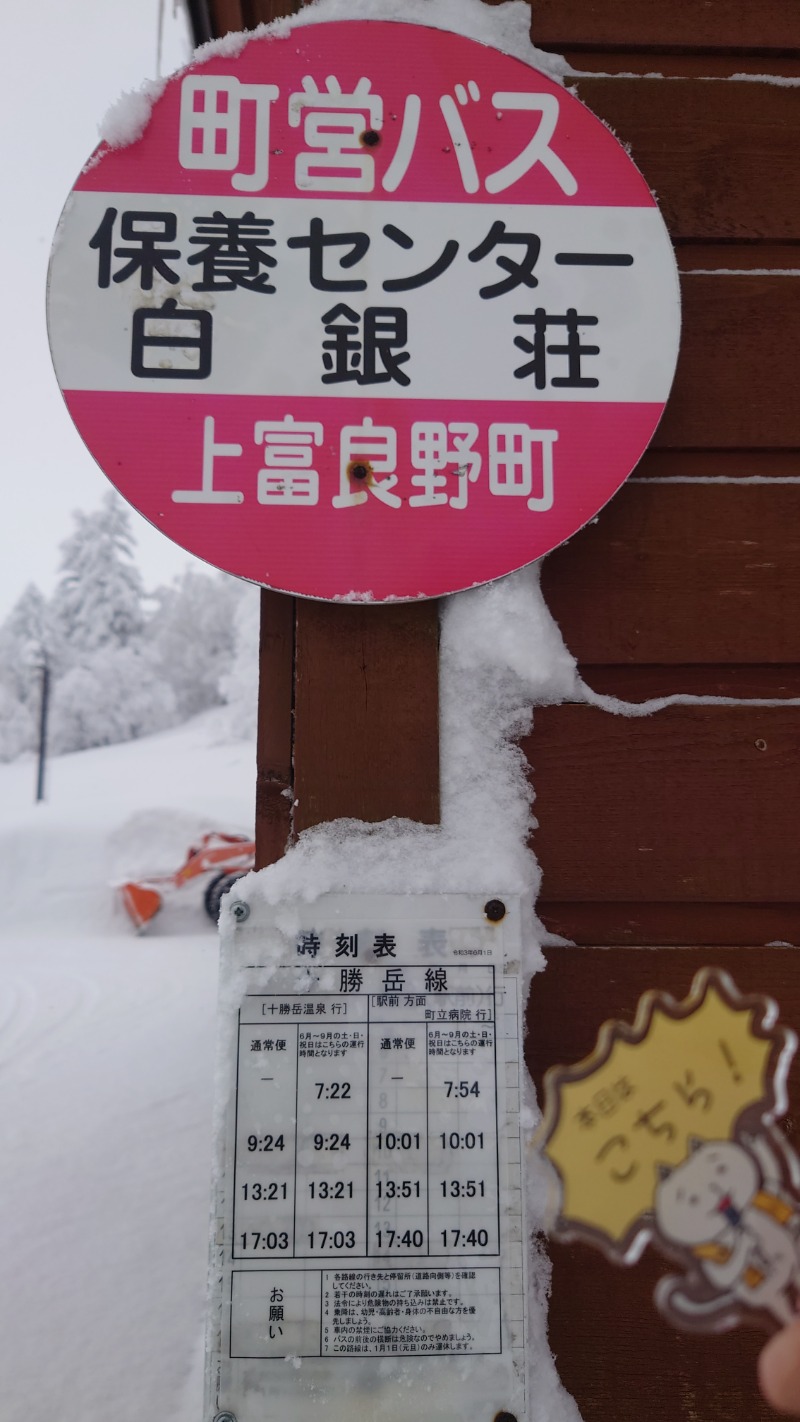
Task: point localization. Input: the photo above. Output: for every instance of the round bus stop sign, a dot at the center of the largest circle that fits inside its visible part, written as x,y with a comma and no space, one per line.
370,311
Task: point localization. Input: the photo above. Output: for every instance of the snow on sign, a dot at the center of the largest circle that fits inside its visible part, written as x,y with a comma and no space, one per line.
370,311
369,1250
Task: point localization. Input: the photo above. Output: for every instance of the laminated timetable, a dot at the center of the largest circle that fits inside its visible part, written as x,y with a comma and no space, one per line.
369,1213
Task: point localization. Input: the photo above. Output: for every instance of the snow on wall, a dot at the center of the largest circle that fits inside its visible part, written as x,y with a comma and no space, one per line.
501,652
617,707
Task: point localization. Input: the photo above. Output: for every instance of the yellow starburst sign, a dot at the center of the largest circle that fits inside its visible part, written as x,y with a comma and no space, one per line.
683,1072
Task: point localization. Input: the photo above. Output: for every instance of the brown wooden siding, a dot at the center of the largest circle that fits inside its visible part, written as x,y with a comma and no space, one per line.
680,828
731,26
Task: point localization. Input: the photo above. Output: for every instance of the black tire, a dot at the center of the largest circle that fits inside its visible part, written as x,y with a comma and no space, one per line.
212,898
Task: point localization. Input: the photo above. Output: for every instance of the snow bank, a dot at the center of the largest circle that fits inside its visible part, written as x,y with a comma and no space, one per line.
106,1105
106,1079
110,814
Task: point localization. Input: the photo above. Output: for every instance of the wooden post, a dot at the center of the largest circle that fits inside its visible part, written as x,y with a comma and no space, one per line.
274,746
348,712
347,716
43,710
366,712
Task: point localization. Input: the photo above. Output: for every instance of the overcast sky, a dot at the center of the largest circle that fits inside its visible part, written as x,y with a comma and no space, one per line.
64,66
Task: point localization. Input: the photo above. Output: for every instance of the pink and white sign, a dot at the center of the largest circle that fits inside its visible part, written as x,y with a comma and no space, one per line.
370,311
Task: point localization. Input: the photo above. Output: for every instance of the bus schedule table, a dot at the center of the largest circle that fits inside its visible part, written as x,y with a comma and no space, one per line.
367,1121
369,1202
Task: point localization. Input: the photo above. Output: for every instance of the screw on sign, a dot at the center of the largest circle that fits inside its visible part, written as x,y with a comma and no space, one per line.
370,311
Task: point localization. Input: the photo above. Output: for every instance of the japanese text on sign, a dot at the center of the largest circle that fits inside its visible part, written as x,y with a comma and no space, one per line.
372,267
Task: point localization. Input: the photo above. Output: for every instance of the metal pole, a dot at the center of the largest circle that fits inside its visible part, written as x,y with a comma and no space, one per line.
43,708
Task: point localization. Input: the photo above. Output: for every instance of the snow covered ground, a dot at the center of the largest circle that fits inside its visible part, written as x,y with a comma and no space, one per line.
107,1047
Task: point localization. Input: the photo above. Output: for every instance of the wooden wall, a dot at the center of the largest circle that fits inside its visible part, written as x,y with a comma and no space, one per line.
671,841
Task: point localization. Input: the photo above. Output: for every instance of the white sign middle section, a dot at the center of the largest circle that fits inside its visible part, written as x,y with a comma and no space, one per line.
427,307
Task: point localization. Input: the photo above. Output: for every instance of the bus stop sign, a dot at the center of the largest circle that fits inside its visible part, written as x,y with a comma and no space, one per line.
370,311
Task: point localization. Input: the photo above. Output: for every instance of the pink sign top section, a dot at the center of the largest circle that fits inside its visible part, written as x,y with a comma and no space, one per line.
363,109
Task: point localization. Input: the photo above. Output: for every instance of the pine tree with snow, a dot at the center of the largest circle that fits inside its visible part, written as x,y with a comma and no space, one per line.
239,685
107,688
99,599
26,637
112,695
18,726
191,636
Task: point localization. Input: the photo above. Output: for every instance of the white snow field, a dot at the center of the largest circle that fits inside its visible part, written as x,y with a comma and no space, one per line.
107,1044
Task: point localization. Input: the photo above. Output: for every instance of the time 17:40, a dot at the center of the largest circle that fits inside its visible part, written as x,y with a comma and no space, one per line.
465,1238
397,1239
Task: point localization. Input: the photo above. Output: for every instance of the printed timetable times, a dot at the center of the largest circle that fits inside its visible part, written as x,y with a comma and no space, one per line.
367,1125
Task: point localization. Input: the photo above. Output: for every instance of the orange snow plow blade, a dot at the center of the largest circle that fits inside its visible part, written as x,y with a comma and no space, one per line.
141,904
225,856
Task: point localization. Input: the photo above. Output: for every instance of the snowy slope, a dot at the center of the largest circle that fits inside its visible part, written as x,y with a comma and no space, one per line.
106,1063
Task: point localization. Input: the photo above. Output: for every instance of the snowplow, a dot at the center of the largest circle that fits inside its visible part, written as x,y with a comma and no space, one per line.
225,857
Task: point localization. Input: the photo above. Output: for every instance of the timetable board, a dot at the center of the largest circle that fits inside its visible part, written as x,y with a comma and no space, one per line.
369,1214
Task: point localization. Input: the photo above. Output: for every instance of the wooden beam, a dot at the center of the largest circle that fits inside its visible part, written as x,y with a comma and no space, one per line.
684,574
674,925
729,26
274,792
696,804
735,385
721,156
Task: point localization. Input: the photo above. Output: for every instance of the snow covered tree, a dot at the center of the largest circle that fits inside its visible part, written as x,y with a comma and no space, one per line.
239,685
191,637
119,673
111,696
99,599
18,726
107,688
26,635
